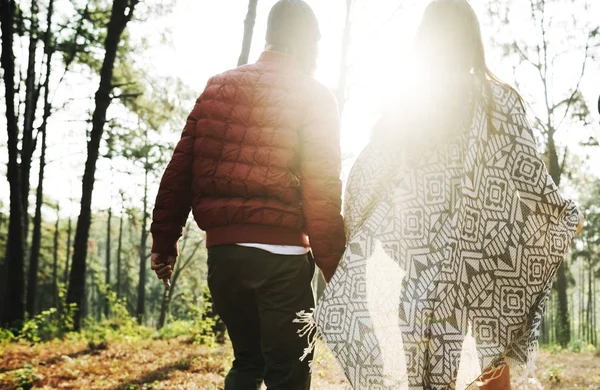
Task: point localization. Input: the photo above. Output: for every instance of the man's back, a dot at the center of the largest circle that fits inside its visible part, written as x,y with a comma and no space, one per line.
247,148
261,153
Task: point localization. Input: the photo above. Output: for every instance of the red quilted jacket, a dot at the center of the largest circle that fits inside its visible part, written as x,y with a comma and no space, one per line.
258,162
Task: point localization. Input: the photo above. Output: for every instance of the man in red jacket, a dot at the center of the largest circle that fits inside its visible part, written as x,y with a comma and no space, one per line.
259,165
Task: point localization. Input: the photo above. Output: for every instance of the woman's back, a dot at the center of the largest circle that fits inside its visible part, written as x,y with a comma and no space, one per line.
474,228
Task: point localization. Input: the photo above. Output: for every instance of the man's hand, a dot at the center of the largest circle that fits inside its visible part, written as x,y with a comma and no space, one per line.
163,266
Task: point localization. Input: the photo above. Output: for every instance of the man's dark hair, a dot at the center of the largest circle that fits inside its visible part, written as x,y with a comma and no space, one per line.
292,26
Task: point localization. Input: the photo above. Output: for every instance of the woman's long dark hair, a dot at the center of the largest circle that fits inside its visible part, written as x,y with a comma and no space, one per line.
450,73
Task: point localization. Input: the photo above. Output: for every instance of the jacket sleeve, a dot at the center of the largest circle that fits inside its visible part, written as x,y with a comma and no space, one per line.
173,201
320,182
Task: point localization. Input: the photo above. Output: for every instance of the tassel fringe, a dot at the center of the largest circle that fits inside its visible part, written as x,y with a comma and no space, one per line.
309,330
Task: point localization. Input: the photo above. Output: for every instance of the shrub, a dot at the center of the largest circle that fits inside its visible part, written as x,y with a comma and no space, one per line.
175,329
554,372
49,324
208,328
575,346
6,335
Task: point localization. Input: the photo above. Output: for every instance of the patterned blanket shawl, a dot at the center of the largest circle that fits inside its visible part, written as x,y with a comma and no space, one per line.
449,261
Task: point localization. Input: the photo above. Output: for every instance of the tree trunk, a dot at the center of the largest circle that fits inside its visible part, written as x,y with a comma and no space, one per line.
122,11
68,259
343,82
142,279
12,307
107,280
31,98
166,301
563,330
55,259
119,246
589,320
248,32
34,259
581,295
594,316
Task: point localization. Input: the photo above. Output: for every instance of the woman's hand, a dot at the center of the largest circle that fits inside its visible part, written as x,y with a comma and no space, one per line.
581,223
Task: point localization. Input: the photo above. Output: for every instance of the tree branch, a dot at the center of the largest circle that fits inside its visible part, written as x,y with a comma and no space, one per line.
571,98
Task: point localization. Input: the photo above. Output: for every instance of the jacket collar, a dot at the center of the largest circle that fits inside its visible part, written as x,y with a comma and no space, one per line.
277,57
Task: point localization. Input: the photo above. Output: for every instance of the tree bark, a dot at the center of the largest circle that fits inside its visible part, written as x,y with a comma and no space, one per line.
55,259
168,293
31,98
107,279
36,239
12,305
34,258
142,277
563,329
248,32
68,259
122,11
590,322
119,248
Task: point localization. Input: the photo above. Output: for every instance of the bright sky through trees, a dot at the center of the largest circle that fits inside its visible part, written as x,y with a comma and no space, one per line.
204,37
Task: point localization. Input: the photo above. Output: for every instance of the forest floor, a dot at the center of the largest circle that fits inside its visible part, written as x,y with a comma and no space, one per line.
176,364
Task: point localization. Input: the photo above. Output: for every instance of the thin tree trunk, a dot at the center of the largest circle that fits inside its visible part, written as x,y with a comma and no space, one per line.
55,259
343,82
119,249
31,98
142,278
552,321
563,331
248,32
168,293
581,296
107,280
68,259
34,259
594,316
1,232
589,322
571,302
12,305
122,11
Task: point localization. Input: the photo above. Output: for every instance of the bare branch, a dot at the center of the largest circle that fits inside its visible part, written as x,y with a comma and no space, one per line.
571,98
191,257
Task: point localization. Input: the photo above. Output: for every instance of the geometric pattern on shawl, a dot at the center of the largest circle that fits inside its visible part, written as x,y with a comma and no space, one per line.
472,239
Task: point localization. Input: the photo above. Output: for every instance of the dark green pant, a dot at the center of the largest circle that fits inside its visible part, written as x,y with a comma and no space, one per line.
257,294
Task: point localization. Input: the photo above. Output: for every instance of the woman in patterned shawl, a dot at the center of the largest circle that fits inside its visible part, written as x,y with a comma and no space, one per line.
455,228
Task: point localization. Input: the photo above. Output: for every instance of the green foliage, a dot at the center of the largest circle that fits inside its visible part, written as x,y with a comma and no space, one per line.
175,329
119,326
24,378
202,325
49,324
6,335
554,372
553,348
581,346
